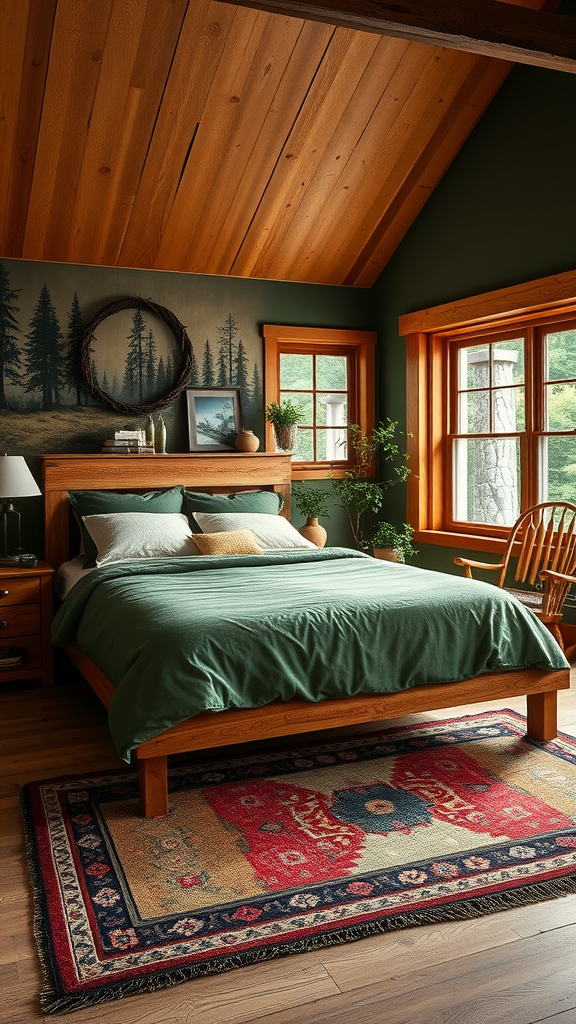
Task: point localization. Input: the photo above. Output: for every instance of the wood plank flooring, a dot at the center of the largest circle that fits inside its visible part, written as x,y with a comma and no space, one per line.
516,967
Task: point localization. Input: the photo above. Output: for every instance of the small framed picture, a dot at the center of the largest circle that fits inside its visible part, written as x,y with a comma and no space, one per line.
214,418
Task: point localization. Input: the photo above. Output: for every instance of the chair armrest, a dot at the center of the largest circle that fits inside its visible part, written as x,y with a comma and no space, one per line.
561,577
478,565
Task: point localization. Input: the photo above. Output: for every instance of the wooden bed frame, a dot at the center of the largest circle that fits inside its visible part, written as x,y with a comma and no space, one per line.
227,473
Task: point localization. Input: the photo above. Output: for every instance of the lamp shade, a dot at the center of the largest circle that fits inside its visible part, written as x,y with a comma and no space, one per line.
16,480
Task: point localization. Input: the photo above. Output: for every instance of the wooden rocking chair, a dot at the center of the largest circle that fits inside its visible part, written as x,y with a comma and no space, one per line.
544,539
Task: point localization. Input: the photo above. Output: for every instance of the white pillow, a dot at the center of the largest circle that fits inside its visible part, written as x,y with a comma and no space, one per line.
122,536
271,532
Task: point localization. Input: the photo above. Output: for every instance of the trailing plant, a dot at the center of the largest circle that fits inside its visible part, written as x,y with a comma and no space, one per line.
399,538
358,494
284,414
311,502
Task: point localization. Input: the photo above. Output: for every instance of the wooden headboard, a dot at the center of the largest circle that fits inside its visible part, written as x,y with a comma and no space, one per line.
217,473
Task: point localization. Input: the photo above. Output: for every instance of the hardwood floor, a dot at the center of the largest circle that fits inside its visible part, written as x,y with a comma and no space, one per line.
516,967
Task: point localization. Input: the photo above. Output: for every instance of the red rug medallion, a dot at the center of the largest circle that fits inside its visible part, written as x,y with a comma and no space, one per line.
291,850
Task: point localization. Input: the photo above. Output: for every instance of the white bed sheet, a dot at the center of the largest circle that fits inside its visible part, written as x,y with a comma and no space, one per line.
68,574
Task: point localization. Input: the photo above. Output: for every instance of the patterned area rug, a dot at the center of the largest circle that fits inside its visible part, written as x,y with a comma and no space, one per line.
285,852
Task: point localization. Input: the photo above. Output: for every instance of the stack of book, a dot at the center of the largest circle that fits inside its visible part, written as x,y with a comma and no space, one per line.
128,442
11,657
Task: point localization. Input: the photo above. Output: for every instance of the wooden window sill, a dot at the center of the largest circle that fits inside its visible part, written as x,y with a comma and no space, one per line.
462,541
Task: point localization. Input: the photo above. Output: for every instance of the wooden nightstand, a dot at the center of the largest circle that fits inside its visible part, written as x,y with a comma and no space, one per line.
25,620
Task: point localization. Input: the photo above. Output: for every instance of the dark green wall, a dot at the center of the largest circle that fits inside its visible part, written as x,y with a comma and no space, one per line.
505,212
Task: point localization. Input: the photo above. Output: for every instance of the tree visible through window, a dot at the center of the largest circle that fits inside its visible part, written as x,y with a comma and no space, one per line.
330,374
513,407
319,384
492,407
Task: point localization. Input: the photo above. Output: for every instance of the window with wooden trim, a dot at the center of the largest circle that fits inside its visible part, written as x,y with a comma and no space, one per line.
492,407
330,374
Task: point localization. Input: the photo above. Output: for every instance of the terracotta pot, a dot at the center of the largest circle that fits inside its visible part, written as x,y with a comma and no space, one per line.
247,441
387,554
313,532
285,435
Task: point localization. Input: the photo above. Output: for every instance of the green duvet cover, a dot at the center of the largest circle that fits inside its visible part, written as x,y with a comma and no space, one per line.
180,636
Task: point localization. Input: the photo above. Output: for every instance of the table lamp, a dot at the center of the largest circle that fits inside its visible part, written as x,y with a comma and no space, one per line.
16,481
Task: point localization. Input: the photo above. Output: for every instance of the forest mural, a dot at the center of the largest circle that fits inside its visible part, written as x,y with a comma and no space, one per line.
134,359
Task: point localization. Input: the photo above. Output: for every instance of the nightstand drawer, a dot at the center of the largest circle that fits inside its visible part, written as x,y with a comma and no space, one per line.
19,619
19,591
31,658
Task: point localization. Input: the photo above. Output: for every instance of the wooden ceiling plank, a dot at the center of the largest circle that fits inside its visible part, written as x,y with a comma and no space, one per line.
483,83
258,97
105,129
136,62
78,41
324,188
280,118
13,31
227,93
427,123
33,80
388,133
198,54
342,67
492,29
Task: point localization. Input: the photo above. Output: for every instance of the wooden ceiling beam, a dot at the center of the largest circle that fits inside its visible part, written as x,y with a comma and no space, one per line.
490,28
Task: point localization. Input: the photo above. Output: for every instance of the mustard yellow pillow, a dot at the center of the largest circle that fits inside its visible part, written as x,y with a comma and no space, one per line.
232,542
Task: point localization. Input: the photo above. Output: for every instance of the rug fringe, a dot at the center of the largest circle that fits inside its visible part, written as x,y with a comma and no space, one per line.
54,1002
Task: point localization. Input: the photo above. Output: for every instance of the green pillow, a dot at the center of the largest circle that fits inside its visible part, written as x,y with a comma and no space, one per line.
245,501
97,503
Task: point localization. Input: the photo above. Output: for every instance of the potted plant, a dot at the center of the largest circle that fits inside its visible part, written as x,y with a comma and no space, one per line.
284,417
393,543
359,494
312,502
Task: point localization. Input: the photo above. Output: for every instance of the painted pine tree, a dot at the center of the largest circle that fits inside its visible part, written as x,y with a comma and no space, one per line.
45,359
134,367
9,329
222,379
256,400
241,370
74,339
150,356
194,378
228,347
161,377
208,366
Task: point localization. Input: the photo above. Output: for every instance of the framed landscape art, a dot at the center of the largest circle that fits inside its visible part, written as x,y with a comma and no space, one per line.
214,418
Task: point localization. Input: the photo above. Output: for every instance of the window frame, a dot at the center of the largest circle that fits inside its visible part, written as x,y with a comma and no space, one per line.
432,338
358,346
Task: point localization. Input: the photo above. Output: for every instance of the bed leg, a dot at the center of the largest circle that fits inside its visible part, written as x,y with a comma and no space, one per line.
541,715
153,786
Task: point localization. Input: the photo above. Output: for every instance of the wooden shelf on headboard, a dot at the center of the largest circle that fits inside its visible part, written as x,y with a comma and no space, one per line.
218,472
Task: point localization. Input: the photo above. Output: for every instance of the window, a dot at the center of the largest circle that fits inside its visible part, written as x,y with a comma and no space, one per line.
330,374
492,407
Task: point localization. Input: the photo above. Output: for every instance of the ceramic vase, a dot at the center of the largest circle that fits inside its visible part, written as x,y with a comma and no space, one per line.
161,436
313,532
387,554
285,435
246,441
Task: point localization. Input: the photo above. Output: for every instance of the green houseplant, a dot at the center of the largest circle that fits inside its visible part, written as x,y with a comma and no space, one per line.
312,502
284,417
396,541
362,497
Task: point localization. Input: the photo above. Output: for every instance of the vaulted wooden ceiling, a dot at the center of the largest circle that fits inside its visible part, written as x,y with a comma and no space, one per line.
193,135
